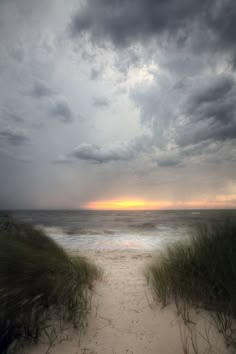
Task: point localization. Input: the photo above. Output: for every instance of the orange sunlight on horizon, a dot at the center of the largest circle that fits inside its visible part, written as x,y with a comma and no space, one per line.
122,204
221,201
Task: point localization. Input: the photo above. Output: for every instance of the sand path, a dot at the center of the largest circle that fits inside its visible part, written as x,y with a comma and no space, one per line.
124,318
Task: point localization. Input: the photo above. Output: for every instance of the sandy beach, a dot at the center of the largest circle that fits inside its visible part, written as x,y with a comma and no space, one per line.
124,318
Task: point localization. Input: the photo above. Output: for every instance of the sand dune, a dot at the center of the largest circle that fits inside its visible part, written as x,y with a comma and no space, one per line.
125,320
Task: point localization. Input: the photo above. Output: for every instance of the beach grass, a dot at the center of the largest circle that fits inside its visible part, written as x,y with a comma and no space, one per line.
39,282
200,273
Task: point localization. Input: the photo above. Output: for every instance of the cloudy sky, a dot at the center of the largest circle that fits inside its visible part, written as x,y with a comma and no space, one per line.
117,100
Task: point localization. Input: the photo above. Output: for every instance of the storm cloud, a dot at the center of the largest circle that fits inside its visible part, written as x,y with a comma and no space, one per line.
41,89
14,137
207,25
202,109
61,111
97,154
154,81
210,111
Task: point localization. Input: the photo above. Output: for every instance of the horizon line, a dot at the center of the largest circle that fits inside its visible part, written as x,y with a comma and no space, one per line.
89,209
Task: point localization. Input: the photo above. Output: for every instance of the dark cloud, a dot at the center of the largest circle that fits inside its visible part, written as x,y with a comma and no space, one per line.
208,24
61,111
169,163
96,154
40,90
198,154
107,153
14,137
188,112
210,111
100,102
211,89
170,159
194,133
123,21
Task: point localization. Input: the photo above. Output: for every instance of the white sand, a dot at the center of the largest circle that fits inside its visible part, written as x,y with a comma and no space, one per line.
125,320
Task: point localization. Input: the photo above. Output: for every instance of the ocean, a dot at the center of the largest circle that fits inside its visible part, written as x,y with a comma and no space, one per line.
119,230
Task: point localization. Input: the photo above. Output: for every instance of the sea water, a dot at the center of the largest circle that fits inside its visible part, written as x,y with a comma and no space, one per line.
119,230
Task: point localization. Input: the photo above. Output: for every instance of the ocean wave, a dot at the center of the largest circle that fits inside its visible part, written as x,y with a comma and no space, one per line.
75,231
145,226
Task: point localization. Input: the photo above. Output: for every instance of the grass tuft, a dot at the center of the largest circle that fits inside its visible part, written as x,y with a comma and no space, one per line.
39,281
200,274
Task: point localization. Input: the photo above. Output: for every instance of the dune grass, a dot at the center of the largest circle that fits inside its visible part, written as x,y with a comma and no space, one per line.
38,281
200,274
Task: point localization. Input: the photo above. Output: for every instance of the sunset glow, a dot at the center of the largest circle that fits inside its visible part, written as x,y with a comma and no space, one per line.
140,204
128,204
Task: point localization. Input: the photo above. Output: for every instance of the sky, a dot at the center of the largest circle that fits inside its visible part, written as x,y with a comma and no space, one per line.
117,103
